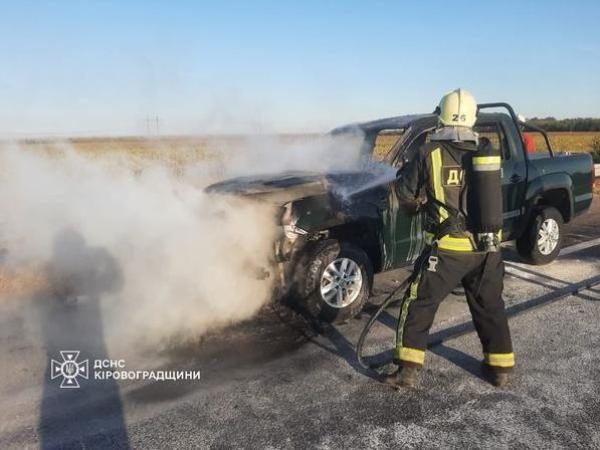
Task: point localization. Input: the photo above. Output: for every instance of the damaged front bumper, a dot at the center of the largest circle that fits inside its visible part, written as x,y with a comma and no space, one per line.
289,249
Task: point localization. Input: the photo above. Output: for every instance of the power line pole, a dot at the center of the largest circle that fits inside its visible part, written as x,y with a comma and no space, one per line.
152,126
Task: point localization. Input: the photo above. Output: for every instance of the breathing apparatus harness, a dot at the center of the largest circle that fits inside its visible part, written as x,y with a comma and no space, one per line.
485,218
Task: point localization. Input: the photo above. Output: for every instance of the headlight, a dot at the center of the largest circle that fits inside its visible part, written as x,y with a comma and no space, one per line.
288,221
292,231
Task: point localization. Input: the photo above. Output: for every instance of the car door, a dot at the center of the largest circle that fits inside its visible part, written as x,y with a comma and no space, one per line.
403,238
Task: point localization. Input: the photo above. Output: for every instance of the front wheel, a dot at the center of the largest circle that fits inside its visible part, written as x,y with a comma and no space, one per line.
334,280
541,242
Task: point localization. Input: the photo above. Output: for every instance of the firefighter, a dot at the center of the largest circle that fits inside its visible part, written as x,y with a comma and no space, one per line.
456,179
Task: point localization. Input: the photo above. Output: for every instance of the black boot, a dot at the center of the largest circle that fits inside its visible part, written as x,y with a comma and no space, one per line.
405,376
498,378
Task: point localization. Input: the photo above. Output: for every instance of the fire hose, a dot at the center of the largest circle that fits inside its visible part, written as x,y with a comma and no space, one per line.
365,332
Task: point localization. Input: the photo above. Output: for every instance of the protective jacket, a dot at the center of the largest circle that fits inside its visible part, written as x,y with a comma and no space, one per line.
441,173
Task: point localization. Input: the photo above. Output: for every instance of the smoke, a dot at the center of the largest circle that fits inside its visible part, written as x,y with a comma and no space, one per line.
272,154
373,175
163,259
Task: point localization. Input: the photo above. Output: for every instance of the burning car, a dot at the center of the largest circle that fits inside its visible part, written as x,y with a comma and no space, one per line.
341,227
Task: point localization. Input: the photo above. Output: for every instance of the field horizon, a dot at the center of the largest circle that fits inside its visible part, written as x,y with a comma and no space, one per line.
181,150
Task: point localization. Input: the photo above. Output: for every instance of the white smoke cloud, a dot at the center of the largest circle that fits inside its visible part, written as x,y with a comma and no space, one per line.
165,260
271,154
180,262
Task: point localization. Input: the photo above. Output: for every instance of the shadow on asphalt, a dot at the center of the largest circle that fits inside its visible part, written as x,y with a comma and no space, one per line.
549,286
470,364
510,255
558,293
537,274
313,329
79,413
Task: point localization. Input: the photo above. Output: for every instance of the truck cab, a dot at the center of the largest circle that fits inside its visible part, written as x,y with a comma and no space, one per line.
558,184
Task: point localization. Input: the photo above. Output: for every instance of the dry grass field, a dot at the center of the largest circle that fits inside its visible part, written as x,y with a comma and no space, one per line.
174,152
181,151
569,141
561,142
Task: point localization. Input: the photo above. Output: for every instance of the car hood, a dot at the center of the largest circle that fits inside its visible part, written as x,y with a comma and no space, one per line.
287,186
277,187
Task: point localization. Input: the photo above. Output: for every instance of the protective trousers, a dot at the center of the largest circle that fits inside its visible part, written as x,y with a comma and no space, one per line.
435,275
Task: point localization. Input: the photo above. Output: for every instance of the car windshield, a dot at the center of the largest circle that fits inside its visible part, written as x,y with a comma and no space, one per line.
386,143
400,146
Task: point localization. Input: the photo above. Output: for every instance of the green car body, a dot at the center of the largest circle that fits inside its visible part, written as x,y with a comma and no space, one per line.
394,236
373,219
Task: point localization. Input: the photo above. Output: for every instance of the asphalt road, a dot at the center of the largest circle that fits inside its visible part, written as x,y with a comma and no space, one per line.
277,382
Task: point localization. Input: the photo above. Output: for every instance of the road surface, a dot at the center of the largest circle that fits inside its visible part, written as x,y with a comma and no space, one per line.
277,382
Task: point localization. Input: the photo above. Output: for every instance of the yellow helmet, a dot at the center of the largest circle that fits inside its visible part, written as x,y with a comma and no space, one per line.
458,109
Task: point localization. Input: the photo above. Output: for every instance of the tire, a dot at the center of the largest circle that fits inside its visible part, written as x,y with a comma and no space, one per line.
542,240
315,270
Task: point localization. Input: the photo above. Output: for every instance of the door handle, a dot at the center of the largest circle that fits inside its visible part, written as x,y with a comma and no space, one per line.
515,178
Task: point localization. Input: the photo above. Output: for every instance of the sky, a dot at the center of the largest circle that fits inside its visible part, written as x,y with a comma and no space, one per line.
123,67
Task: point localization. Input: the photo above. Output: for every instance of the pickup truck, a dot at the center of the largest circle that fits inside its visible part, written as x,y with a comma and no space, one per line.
331,245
